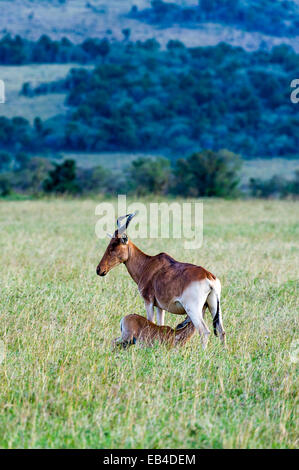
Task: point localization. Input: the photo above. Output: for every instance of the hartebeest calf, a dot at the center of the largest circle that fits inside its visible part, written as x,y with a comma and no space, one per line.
167,284
137,329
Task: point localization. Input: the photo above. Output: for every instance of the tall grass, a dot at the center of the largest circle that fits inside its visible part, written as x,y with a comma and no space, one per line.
61,386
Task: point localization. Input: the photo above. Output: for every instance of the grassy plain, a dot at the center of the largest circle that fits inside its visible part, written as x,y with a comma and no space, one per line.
61,386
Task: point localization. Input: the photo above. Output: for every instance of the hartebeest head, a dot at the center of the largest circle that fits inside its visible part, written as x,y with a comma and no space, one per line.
117,251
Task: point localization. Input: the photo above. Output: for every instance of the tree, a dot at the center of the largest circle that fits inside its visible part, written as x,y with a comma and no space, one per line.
5,159
27,90
38,168
293,186
208,173
62,179
5,185
127,33
94,180
276,186
174,44
38,125
149,176
104,48
22,159
208,6
267,188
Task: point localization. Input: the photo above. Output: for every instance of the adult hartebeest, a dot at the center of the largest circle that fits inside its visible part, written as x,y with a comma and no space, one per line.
167,284
137,329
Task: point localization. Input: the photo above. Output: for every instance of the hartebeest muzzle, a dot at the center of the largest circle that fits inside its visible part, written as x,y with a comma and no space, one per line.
101,272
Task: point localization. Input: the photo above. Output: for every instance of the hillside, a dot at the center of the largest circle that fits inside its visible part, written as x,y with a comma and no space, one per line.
42,106
142,98
271,17
79,19
154,96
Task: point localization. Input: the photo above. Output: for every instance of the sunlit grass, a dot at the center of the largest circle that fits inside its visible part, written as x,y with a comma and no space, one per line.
61,386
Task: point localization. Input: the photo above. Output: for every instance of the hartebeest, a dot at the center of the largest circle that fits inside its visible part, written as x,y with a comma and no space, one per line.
137,329
167,284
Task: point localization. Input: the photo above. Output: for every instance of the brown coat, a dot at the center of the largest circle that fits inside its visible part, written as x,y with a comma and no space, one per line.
135,328
167,284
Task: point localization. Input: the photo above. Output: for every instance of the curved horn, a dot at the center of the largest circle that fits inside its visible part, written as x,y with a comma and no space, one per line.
122,228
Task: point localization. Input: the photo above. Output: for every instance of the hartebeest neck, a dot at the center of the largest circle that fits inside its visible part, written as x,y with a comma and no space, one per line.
136,262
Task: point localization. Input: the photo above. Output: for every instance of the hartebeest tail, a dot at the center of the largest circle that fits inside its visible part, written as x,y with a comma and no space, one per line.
137,329
216,318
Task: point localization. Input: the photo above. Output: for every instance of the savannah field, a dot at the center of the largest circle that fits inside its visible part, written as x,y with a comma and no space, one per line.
63,387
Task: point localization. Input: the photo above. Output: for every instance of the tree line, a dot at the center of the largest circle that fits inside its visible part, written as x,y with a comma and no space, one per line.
273,17
20,51
202,174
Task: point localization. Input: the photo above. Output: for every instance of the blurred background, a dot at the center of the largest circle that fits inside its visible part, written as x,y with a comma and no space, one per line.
188,98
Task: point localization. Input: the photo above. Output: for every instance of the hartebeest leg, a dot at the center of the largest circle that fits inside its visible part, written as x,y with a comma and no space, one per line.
150,313
193,300
201,327
160,316
187,319
195,314
203,330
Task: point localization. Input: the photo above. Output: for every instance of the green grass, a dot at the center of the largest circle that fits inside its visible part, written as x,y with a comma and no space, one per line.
61,386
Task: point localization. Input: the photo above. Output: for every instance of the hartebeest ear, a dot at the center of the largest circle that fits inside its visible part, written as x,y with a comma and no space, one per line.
109,235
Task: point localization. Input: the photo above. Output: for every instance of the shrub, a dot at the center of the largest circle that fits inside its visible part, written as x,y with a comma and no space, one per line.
62,179
5,185
96,180
208,173
275,186
266,188
149,176
292,187
5,160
